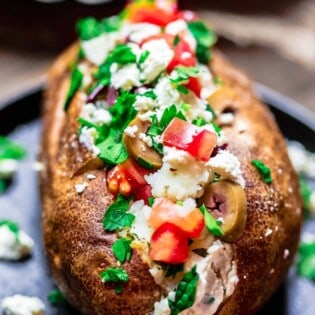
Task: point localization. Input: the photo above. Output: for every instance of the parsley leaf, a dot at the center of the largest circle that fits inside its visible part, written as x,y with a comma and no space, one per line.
211,110
12,226
210,222
184,73
263,170
144,56
121,54
116,216
176,41
10,150
205,38
217,129
200,121
2,185
150,93
112,149
306,193
115,275
55,297
102,129
182,89
75,84
121,249
151,201
185,292
103,74
306,260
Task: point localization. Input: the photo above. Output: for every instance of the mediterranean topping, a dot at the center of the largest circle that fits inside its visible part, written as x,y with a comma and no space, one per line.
14,243
176,188
23,305
263,170
306,258
55,297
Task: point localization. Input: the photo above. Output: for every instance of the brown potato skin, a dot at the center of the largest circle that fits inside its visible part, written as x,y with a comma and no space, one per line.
78,248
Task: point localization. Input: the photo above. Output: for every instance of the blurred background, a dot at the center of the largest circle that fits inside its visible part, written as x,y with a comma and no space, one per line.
273,40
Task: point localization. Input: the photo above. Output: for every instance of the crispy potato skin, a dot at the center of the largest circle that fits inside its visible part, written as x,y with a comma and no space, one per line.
78,248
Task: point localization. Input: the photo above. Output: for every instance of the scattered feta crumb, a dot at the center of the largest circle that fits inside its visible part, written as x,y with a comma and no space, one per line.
139,31
131,131
286,253
228,166
23,305
81,187
14,246
166,94
8,167
159,58
140,226
124,77
38,166
146,139
144,103
206,80
268,232
95,114
161,307
90,176
226,118
88,137
97,49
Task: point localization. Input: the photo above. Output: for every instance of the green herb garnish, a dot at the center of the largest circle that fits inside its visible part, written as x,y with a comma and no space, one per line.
121,54
150,94
10,150
263,170
217,129
55,297
184,73
306,193
115,275
144,163
205,38
200,121
210,109
144,56
211,223
151,201
121,249
75,84
116,217
101,129
176,41
12,226
185,292
306,260
182,89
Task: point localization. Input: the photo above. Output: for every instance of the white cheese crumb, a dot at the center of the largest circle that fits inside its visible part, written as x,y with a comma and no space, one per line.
38,166
139,31
144,103
95,114
90,176
286,253
206,80
97,49
146,139
179,27
226,118
124,77
87,78
228,166
22,305
140,226
166,94
81,187
131,131
88,137
161,307
268,232
14,246
8,167
159,58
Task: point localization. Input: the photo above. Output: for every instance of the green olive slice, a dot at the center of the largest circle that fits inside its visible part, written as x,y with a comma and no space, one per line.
137,148
227,200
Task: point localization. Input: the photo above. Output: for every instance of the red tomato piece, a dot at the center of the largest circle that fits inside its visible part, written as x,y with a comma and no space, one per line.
169,244
126,178
191,221
143,193
194,86
185,136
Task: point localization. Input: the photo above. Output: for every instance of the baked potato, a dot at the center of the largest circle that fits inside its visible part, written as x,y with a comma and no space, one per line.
167,187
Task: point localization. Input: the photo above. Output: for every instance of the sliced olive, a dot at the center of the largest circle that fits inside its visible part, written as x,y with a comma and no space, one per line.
227,201
138,149
88,165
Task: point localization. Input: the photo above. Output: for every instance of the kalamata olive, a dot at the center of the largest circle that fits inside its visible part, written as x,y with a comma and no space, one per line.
222,99
227,200
137,148
88,165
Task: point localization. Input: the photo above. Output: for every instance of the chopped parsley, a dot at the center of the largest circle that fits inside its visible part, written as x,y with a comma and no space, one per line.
217,129
144,163
116,276
121,249
116,217
171,270
185,292
200,121
205,38
75,84
263,170
101,129
10,150
211,223
306,260
306,193
210,109
89,28
12,226
184,73
151,201
176,41
144,56
182,89
150,94
55,297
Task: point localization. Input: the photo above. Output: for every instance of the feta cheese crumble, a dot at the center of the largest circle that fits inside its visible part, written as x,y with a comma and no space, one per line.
14,246
140,31
88,138
81,187
124,77
8,167
95,114
23,305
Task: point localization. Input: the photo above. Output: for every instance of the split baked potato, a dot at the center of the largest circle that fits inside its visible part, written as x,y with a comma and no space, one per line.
136,218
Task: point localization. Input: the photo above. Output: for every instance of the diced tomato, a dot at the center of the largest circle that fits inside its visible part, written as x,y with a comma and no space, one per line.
143,193
149,13
191,221
183,55
126,178
169,244
194,86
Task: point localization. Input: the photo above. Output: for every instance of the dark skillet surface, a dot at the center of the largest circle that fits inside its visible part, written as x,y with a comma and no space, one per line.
20,120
